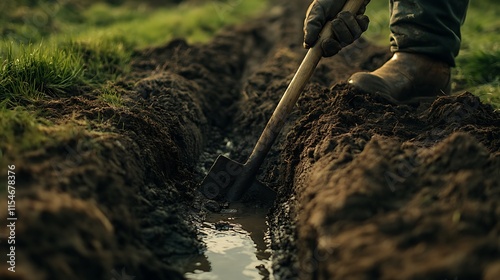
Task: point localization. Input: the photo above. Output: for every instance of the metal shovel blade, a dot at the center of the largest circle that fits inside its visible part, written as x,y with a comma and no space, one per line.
229,180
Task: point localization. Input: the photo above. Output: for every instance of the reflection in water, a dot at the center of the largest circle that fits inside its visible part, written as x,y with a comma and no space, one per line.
236,246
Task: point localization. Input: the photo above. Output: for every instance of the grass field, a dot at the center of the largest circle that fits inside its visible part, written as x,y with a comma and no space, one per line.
51,48
58,47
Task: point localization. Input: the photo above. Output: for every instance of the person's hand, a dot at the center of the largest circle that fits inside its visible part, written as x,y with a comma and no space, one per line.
346,27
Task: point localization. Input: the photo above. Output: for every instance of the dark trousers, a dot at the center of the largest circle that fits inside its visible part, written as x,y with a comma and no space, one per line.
430,27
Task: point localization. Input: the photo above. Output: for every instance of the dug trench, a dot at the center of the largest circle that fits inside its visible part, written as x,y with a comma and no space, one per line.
366,189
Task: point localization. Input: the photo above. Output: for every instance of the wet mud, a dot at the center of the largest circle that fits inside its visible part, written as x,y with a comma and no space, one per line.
366,189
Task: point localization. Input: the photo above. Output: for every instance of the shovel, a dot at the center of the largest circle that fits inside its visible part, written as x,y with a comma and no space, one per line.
232,181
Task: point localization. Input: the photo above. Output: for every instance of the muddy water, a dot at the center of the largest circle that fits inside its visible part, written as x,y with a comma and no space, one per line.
237,245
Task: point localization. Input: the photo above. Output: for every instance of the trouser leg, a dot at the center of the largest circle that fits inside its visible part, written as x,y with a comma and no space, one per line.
430,27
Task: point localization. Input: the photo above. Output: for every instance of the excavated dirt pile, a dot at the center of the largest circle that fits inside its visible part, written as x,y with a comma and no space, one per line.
366,189
395,192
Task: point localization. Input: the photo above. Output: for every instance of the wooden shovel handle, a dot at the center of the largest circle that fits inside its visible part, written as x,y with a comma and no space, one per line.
292,93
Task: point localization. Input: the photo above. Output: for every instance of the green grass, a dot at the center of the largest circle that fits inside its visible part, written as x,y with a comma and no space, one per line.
23,130
20,130
478,66
103,59
59,48
110,96
139,24
195,22
30,72
378,29
33,71
50,50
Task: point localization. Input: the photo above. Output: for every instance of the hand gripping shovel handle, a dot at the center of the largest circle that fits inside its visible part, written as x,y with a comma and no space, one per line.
292,93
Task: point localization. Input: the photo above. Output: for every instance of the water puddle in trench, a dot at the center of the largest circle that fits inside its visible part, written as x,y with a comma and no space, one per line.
237,247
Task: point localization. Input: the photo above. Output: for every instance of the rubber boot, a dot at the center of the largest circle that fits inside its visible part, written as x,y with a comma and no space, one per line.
406,78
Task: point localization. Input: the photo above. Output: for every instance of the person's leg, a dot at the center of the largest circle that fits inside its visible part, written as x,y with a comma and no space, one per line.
425,38
430,27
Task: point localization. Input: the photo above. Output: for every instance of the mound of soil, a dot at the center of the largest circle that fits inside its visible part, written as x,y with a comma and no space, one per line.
367,189
395,192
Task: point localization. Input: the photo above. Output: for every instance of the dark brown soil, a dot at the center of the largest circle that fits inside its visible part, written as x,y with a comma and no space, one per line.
395,192
367,189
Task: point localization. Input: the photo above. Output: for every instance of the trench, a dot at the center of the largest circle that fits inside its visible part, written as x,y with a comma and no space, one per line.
237,245
237,240
242,249
235,236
